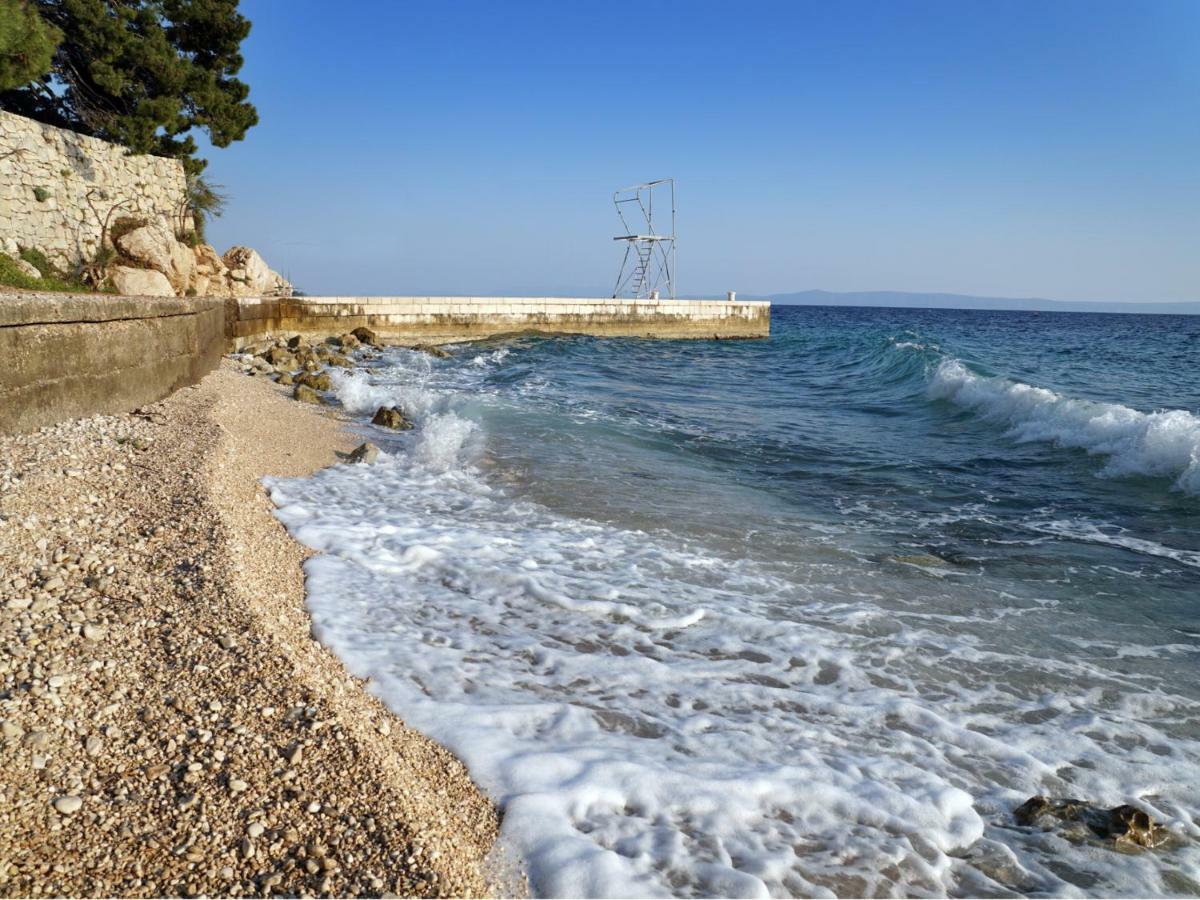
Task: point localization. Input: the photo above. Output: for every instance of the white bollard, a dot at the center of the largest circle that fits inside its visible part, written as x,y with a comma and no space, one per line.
732,296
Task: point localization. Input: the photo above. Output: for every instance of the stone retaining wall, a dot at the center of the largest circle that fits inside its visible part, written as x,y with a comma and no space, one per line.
57,187
446,319
67,356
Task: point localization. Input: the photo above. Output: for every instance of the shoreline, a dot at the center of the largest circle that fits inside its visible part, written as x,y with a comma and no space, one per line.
170,725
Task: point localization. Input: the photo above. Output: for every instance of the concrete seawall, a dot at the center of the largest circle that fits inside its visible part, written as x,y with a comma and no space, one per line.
67,356
445,319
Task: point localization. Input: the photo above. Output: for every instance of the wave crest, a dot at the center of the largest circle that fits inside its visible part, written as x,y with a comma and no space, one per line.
1161,444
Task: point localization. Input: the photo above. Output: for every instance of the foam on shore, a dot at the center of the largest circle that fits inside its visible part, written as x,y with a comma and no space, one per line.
659,719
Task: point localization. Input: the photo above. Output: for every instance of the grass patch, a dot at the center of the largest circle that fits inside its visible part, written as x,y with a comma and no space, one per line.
52,279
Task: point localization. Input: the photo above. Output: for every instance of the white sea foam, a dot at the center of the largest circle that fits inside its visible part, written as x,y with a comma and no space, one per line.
1092,533
1160,444
657,720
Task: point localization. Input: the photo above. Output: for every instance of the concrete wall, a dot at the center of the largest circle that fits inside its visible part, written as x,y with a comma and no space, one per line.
444,319
82,178
69,356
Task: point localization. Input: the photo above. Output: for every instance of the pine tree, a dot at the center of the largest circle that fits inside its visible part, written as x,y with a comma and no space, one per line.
27,44
143,73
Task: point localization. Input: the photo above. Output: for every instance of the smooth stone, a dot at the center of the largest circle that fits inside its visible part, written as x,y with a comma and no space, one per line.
68,805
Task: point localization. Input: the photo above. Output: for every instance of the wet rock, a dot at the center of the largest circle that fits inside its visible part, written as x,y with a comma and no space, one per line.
318,381
364,453
305,394
431,350
278,356
367,336
391,417
285,379
1127,826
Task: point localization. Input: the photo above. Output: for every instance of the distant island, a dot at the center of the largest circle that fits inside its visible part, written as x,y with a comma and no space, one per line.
966,301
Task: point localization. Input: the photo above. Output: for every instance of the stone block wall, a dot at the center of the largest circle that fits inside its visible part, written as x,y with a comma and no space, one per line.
56,188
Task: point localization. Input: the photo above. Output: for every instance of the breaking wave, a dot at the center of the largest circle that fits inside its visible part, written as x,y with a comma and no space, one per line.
1160,444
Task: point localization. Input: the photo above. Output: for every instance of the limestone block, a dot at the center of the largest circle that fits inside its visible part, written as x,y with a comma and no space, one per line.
140,282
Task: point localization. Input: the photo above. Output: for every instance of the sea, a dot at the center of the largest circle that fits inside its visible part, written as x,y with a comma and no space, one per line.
802,616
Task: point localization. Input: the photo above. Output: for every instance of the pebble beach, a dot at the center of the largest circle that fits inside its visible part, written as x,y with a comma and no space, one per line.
170,726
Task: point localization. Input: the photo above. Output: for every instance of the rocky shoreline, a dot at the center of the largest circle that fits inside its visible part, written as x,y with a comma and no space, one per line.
169,725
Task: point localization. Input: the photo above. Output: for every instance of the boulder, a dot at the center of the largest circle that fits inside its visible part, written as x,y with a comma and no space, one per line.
317,381
336,359
208,261
364,453
305,394
280,358
347,342
151,245
250,275
431,350
391,417
140,282
284,379
366,336
27,268
183,268
1126,826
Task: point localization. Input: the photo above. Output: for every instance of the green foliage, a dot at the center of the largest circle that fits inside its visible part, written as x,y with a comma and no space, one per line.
40,194
104,257
39,261
51,280
143,73
27,44
205,201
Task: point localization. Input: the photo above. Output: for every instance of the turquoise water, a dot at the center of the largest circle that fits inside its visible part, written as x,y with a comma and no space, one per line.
801,616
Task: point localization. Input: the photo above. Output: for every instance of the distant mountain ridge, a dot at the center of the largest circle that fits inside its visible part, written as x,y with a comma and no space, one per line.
965,301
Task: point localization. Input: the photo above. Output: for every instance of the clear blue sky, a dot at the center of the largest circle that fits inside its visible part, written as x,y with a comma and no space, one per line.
999,148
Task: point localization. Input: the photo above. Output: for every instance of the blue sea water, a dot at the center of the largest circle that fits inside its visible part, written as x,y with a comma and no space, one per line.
805,616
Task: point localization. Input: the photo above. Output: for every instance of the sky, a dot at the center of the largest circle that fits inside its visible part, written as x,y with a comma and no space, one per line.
1015,149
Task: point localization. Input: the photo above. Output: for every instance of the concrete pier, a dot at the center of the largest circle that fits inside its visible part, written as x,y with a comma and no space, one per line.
448,319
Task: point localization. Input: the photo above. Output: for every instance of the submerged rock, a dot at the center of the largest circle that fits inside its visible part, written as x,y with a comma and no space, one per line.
364,453
391,417
1127,826
432,350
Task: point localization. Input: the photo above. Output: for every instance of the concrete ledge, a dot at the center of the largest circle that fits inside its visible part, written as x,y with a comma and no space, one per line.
68,356
449,319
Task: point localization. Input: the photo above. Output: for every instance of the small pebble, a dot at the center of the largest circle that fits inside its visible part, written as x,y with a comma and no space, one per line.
67,805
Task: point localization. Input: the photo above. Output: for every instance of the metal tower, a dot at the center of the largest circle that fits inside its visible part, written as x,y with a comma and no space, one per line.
649,261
